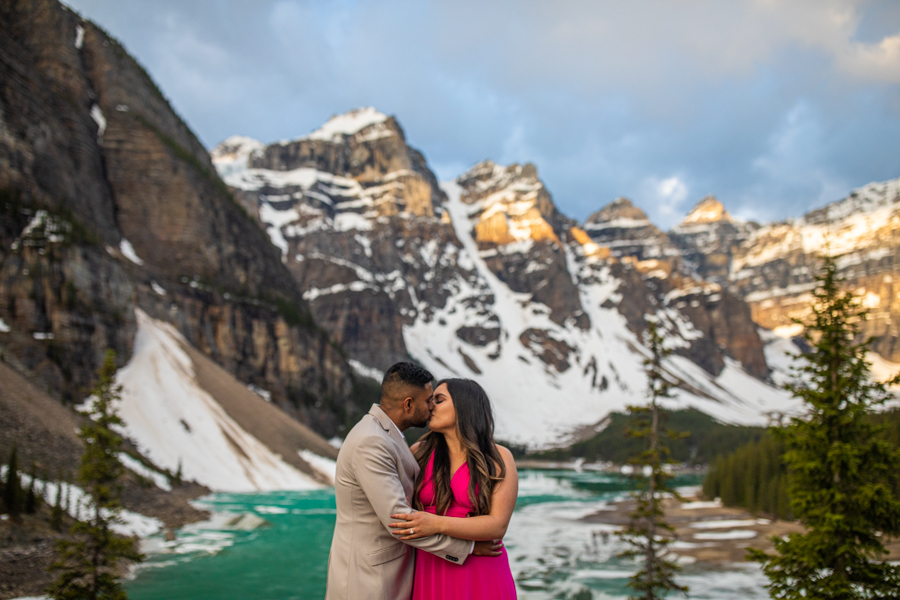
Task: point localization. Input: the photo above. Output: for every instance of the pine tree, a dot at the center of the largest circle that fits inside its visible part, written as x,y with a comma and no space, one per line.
67,505
751,477
56,513
31,497
88,562
841,475
12,487
647,533
176,480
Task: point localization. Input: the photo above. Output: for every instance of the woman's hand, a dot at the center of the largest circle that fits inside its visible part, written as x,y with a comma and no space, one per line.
416,525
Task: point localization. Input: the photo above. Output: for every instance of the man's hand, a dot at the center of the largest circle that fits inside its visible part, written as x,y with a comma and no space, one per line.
488,548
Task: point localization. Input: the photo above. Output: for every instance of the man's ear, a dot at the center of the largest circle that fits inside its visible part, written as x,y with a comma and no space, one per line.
407,403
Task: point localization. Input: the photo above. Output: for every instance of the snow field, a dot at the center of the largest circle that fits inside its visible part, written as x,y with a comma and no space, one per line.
347,124
176,423
80,507
533,403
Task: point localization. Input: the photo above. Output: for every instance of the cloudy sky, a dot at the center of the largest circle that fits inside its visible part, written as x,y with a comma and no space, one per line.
773,106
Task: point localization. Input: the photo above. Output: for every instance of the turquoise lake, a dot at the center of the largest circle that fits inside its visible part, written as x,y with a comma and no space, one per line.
554,555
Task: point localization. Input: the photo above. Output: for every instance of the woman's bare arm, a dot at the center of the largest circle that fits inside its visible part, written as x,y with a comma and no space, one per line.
484,527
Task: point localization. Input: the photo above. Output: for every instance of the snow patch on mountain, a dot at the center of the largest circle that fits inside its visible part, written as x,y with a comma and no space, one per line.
77,503
539,405
620,223
128,252
177,424
232,155
349,123
133,464
99,119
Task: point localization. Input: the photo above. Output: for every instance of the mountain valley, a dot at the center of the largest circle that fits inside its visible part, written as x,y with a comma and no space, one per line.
297,271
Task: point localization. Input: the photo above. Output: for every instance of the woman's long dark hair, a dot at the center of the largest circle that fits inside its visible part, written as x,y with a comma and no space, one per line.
475,427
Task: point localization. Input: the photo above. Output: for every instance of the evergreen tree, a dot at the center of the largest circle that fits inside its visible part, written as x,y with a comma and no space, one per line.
176,480
31,497
647,534
87,563
841,475
56,513
751,477
67,505
12,487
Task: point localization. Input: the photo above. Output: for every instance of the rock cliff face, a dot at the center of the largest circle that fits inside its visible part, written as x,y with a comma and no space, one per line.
109,202
707,239
626,231
359,219
520,236
483,277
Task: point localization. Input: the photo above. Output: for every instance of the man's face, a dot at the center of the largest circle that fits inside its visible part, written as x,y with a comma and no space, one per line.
422,405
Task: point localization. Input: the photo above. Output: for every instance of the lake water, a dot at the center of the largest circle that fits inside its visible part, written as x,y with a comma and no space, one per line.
554,555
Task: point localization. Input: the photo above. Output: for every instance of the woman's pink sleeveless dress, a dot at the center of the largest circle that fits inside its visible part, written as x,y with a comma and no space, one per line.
479,577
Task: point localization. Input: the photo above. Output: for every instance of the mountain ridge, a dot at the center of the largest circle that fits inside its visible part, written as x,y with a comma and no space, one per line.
495,278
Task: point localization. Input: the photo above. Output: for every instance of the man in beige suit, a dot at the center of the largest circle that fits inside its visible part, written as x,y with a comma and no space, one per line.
375,476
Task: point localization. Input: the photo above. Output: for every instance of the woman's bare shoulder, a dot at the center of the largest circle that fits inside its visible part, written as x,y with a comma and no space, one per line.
415,447
505,453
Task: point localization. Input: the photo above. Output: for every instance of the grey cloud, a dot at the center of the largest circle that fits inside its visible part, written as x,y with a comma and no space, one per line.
774,107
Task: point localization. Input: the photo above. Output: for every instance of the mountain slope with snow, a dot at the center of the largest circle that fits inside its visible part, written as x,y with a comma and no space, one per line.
483,277
181,427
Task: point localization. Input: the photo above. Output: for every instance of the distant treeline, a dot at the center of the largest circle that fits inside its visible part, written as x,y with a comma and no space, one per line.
707,439
753,476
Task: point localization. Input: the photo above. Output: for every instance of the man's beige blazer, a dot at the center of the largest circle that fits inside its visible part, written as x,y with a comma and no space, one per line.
376,473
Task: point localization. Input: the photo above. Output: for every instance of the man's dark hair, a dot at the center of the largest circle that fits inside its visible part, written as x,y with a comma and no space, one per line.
399,378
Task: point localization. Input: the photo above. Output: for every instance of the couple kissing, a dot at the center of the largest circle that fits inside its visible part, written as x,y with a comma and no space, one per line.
427,522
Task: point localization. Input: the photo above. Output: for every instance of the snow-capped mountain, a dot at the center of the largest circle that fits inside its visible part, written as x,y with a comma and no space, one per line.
773,268
483,277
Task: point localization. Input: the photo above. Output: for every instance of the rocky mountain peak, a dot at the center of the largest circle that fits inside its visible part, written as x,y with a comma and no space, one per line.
487,176
626,231
510,204
356,168
620,209
708,210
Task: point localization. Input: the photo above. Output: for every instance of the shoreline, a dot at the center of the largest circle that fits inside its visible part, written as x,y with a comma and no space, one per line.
599,467
707,533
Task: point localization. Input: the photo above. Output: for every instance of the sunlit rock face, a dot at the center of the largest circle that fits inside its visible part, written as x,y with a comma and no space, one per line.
518,230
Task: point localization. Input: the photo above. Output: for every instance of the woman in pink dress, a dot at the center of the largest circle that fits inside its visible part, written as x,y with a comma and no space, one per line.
467,488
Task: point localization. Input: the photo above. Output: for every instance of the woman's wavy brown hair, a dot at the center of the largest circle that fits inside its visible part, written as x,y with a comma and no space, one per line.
475,427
